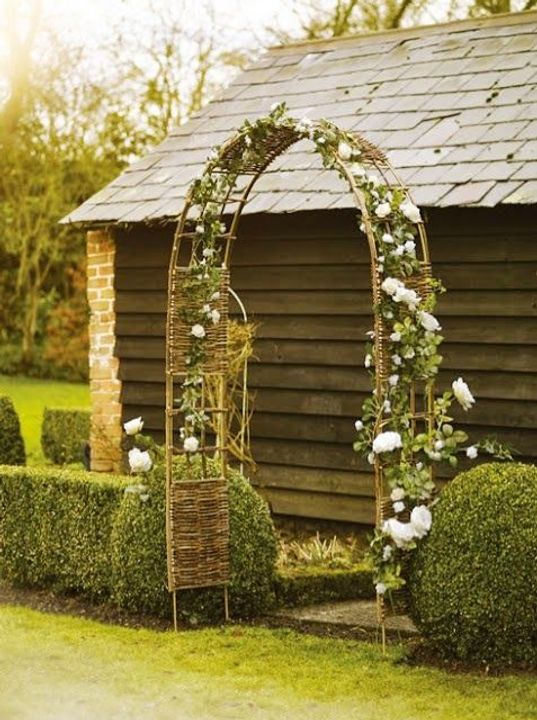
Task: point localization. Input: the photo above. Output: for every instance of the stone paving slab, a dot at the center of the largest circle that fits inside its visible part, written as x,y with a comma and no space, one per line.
355,615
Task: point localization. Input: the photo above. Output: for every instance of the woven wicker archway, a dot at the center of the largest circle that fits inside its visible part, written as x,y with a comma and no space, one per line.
197,511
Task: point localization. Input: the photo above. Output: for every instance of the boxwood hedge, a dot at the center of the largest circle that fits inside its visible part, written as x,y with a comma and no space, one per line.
98,534
12,450
473,580
65,434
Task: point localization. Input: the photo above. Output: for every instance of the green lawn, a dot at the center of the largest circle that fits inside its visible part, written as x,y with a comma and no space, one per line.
57,668
30,396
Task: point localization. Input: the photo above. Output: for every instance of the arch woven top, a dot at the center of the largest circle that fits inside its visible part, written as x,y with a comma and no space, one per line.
277,141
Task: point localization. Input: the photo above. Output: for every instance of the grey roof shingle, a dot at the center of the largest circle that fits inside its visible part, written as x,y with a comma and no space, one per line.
454,106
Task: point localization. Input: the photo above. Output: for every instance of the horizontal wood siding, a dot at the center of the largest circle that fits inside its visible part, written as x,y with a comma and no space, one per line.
305,281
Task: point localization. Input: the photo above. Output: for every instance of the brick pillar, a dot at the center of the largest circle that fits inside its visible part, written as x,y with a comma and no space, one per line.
105,386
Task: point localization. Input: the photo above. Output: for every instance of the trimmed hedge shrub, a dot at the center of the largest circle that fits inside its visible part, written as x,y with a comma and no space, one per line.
12,450
65,434
98,534
55,528
473,580
139,577
313,585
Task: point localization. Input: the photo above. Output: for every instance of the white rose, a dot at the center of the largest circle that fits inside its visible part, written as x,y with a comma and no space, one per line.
471,452
387,238
359,425
215,316
391,285
399,251
397,494
410,247
383,210
398,506
410,211
421,520
393,379
380,588
344,151
396,359
133,426
139,461
428,321
400,533
200,229
191,444
463,394
387,442
406,296
198,331
395,337
357,170
208,252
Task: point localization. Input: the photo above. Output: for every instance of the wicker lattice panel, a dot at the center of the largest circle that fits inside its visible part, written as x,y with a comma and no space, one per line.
199,524
178,332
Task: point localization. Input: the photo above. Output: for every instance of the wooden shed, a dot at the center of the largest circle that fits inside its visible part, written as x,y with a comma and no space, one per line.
455,107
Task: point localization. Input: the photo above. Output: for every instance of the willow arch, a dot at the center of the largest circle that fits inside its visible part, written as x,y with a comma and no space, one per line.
198,285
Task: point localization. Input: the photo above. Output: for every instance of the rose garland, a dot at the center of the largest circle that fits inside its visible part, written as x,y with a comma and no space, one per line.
386,433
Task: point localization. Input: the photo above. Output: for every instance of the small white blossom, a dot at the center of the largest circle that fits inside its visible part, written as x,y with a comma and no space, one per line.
439,445
387,442
395,337
428,321
215,316
139,461
471,452
198,331
362,227
368,360
393,379
344,151
383,210
133,426
191,443
208,252
410,211
387,407
396,359
397,494
398,506
463,394
380,588
359,425
215,296
421,520
410,247
371,458
200,229
399,251
387,238
387,552
357,170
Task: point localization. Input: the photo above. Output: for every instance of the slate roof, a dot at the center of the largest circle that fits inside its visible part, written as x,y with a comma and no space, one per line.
454,105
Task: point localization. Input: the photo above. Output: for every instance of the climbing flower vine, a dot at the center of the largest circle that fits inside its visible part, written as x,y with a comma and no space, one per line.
387,433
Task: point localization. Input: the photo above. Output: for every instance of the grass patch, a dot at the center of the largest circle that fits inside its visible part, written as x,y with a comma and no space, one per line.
64,667
30,396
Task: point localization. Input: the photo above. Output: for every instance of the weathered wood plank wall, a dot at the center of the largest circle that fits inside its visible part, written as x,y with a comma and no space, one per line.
305,281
